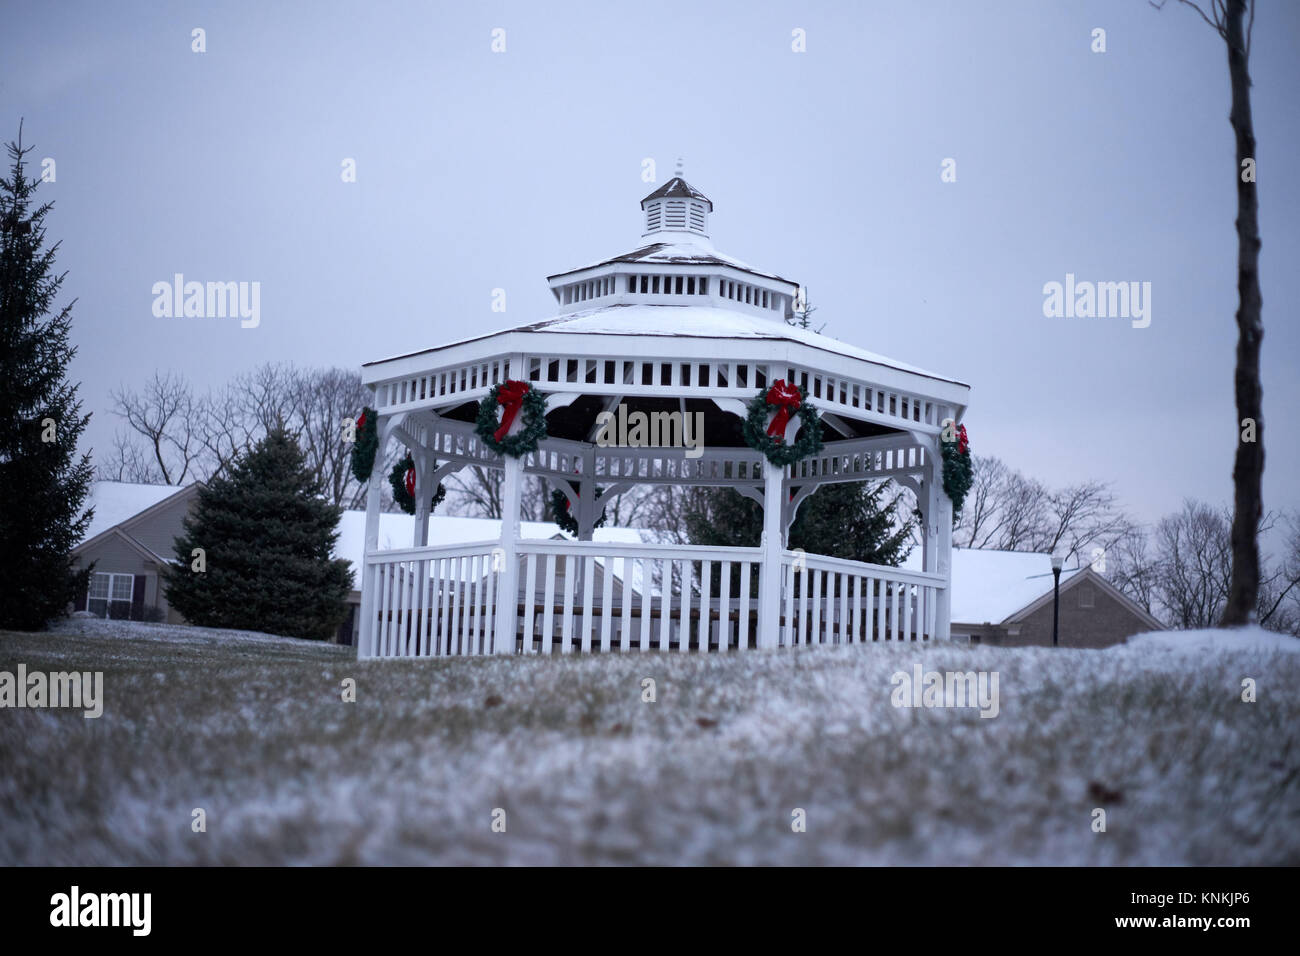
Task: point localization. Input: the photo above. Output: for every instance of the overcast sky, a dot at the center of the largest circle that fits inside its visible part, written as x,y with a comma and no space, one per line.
478,170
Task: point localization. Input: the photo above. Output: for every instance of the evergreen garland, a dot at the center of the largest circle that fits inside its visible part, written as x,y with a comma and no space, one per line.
366,445
563,517
958,471
808,442
403,498
526,440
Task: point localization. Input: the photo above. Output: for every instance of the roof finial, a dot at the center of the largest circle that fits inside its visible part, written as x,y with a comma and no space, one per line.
679,173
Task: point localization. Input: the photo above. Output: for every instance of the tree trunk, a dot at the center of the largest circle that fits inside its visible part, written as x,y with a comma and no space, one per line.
1248,469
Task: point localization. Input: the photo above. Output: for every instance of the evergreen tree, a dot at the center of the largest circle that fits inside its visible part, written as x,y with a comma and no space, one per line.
43,482
846,520
266,535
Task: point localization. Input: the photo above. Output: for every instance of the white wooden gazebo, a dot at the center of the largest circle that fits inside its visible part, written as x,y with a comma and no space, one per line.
673,326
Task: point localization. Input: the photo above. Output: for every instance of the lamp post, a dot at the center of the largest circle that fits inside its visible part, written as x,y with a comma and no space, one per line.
1057,561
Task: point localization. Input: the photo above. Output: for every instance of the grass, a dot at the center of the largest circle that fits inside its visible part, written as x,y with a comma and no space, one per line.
253,730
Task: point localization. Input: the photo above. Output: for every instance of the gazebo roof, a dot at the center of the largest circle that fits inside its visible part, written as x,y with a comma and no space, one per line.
676,321
686,250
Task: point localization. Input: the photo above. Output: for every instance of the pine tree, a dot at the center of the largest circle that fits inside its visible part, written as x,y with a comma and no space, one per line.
266,536
846,520
43,482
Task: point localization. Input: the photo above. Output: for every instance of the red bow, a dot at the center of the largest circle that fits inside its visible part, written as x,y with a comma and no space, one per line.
510,395
786,398
410,481
361,422
963,443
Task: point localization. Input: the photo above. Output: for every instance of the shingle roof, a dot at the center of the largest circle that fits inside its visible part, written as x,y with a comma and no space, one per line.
677,188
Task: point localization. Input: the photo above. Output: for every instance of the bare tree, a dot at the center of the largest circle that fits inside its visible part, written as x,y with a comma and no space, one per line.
320,399
1194,565
1234,22
126,463
165,414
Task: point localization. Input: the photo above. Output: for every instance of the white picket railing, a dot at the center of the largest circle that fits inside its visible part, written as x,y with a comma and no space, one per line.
835,601
581,596
431,602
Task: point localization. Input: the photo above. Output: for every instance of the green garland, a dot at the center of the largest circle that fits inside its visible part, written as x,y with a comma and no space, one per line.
366,445
564,518
397,480
523,442
808,442
958,471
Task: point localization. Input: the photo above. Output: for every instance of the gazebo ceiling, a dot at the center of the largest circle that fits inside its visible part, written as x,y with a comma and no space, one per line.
579,420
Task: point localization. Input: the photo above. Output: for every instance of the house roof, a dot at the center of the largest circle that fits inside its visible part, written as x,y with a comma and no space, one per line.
116,502
397,531
988,587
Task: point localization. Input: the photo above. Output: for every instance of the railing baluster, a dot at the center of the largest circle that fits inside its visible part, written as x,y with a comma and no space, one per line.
706,605
548,609
570,586
588,586
606,604
530,596
742,625
666,604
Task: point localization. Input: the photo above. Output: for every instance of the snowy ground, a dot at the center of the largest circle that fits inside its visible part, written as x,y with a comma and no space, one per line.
253,729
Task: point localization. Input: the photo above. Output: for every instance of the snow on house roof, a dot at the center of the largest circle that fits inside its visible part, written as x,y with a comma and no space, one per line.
990,586
397,531
118,501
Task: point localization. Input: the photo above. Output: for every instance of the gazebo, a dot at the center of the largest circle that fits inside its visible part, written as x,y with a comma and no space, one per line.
674,334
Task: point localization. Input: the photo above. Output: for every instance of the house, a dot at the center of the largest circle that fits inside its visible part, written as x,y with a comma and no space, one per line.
1005,598
129,541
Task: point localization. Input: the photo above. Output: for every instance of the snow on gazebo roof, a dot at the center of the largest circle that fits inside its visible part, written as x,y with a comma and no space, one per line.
676,285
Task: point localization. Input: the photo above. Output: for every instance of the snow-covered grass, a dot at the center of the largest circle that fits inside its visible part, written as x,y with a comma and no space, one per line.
253,730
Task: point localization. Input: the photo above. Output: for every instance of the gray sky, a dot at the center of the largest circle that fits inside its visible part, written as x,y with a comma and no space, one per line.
478,170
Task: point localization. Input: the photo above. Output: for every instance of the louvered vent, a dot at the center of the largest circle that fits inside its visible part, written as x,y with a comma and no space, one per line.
652,217
675,215
697,217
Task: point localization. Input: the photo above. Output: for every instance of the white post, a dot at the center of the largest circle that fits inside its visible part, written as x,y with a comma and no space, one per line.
423,495
366,633
587,496
937,554
769,599
503,641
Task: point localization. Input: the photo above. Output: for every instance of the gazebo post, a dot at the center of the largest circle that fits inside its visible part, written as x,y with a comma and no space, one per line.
503,641
937,550
769,601
587,496
365,634
508,583
423,494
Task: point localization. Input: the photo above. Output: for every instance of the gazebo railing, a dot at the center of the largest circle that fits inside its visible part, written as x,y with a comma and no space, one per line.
836,601
584,596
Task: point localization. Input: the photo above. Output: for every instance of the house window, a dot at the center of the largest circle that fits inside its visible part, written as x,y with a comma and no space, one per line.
1085,595
110,595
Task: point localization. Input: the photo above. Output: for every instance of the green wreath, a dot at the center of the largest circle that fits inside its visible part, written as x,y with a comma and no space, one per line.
403,498
366,445
958,471
809,440
523,442
566,521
